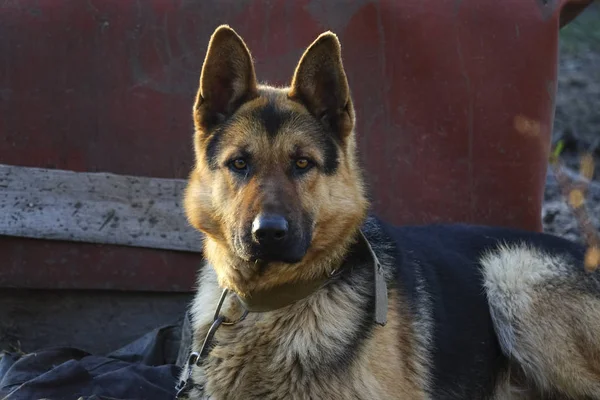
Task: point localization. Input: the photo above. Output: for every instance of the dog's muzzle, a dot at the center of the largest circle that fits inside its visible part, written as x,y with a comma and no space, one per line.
272,238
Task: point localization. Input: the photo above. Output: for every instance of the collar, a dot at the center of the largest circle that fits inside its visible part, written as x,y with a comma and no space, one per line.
283,295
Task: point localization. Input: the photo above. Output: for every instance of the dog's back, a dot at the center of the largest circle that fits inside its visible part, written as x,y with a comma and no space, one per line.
448,268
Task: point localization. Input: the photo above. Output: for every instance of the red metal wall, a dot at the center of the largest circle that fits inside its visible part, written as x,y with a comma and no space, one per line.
454,103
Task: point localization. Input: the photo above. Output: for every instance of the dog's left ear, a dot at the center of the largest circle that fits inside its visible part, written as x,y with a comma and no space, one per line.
320,83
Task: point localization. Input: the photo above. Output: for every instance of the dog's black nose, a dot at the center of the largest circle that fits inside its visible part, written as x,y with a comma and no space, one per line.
269,229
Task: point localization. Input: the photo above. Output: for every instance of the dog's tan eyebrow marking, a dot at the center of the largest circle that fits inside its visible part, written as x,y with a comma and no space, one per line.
236,152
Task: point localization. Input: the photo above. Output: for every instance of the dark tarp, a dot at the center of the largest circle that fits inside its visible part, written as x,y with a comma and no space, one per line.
146,369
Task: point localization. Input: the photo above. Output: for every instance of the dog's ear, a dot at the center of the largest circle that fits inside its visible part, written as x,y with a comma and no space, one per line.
227,79
320,83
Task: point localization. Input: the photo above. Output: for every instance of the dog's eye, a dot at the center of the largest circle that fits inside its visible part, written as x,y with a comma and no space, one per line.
302,163
239,164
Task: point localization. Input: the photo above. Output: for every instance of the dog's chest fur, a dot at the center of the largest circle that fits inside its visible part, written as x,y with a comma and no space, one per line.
322,347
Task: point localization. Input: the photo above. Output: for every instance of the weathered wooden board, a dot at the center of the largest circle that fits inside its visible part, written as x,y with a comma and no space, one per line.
94,207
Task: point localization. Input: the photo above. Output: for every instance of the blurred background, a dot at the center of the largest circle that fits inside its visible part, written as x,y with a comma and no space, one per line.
577,117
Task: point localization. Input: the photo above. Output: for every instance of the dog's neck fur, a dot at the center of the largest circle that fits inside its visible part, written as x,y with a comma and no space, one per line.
320,339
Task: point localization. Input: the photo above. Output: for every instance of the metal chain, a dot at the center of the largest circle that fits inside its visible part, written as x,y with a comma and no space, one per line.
185,386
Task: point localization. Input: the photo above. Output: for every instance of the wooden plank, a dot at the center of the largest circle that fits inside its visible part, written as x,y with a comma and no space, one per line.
94,207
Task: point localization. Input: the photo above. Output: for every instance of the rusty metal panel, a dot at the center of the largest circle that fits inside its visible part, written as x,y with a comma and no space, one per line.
454,103
40,264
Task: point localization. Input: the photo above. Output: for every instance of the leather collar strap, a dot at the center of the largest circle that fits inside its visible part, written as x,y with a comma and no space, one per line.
286,294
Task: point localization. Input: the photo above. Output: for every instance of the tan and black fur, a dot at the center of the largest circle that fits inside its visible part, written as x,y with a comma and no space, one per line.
474,312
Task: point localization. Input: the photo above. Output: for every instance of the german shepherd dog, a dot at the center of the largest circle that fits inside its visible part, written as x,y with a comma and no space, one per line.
342,305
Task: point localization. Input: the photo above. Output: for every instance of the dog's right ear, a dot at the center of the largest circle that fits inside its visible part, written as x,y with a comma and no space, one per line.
227,79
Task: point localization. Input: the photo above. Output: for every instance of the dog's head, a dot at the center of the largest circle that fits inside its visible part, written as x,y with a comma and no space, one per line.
276,187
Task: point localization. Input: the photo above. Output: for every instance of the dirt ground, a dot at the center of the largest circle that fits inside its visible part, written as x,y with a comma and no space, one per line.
577,119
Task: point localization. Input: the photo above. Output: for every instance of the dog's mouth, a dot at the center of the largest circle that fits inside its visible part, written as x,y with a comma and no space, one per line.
261,257
289,251
284,254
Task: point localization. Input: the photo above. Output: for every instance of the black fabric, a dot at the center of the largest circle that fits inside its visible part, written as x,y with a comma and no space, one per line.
145,369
